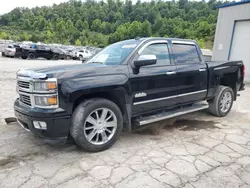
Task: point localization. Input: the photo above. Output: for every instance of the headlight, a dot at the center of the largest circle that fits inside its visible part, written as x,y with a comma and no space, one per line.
46,86
47,101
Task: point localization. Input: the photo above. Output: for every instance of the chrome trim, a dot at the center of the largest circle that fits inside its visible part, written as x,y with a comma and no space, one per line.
24,79
170,97
22,125
219,68
182,42
31,84
202,70
170,73
47,80
151,42
141,94
154,100
32,100
177,113
46,95
192,93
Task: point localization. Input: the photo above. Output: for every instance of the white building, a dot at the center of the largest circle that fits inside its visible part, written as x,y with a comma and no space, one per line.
232,37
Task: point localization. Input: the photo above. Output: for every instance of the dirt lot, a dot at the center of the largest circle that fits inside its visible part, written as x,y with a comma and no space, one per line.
197,150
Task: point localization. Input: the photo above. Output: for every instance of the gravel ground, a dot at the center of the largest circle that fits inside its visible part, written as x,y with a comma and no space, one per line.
195,150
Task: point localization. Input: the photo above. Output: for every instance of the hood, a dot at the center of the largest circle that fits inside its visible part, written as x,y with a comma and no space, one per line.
71,71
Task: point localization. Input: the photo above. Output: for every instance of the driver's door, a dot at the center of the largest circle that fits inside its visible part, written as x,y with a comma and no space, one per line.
154,88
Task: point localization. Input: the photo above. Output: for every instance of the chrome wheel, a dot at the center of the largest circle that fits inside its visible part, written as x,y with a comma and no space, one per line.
100,126
226,102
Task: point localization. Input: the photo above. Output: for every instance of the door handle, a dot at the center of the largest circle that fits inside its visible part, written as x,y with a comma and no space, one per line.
170,72
202,70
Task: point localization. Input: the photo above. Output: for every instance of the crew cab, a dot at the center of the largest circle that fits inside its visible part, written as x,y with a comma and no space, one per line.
125,86
39,51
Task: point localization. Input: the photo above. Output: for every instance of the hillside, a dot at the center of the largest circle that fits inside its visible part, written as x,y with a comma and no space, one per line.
101,23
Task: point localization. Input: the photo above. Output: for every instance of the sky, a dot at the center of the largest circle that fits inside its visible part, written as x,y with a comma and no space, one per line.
7,5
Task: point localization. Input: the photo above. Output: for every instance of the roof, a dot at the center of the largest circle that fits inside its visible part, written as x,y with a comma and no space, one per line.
233,4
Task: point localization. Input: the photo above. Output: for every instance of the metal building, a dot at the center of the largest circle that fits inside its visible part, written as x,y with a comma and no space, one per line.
232,37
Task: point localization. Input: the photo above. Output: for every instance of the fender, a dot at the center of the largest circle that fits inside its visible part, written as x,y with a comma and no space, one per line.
117,85
75,88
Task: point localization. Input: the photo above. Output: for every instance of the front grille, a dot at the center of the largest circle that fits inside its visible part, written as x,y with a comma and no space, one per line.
23,84
25,99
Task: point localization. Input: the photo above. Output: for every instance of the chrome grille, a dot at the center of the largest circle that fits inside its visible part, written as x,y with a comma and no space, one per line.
25,99
23,84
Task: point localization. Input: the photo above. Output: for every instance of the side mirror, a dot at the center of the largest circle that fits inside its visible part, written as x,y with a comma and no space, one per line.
143,60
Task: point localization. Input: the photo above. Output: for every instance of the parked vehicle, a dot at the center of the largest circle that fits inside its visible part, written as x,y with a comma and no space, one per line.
39,51
207,54
83,55
127,85
10,51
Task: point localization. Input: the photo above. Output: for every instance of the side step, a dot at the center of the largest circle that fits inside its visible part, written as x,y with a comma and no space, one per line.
166,115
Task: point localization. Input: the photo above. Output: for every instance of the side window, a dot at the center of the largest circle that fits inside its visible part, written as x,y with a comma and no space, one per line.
186,53
161,52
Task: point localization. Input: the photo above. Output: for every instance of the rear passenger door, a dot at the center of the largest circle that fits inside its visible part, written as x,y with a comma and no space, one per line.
192,75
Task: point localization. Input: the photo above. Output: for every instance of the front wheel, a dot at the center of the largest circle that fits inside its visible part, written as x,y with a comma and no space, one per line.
31,56
222,103
56,57
96,124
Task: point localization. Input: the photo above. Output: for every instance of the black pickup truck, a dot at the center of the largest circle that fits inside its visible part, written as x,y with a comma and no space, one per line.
39,51
125,86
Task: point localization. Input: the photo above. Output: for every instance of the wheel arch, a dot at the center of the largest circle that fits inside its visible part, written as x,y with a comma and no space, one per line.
117,96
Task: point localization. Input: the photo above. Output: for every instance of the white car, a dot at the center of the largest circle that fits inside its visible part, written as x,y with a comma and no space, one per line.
83,54
10,51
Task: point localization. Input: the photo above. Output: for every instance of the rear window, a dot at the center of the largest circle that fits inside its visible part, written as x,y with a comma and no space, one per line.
186,53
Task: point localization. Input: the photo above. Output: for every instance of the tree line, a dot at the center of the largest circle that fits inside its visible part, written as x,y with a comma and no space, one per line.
101,23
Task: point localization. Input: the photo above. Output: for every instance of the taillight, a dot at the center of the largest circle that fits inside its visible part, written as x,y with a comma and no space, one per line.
243,70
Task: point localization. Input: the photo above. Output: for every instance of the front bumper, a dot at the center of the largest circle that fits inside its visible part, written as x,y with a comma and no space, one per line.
57,126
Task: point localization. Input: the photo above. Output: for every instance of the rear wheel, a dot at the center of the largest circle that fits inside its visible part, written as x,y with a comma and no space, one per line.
31,56
222,103
96,124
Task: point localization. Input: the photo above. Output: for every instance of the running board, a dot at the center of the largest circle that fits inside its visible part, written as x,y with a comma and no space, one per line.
166,115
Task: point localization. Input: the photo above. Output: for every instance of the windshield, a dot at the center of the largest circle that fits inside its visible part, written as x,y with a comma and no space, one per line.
115,53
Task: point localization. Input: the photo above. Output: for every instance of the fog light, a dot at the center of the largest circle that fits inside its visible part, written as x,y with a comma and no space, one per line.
40,125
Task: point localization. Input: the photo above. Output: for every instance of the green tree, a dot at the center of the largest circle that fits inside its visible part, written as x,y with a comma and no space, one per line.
102,22
78,42
3,35
96,25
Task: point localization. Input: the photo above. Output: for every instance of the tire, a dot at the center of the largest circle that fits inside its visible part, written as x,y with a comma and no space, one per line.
23,57
31,56
215,105
80,57
56,57
80,128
